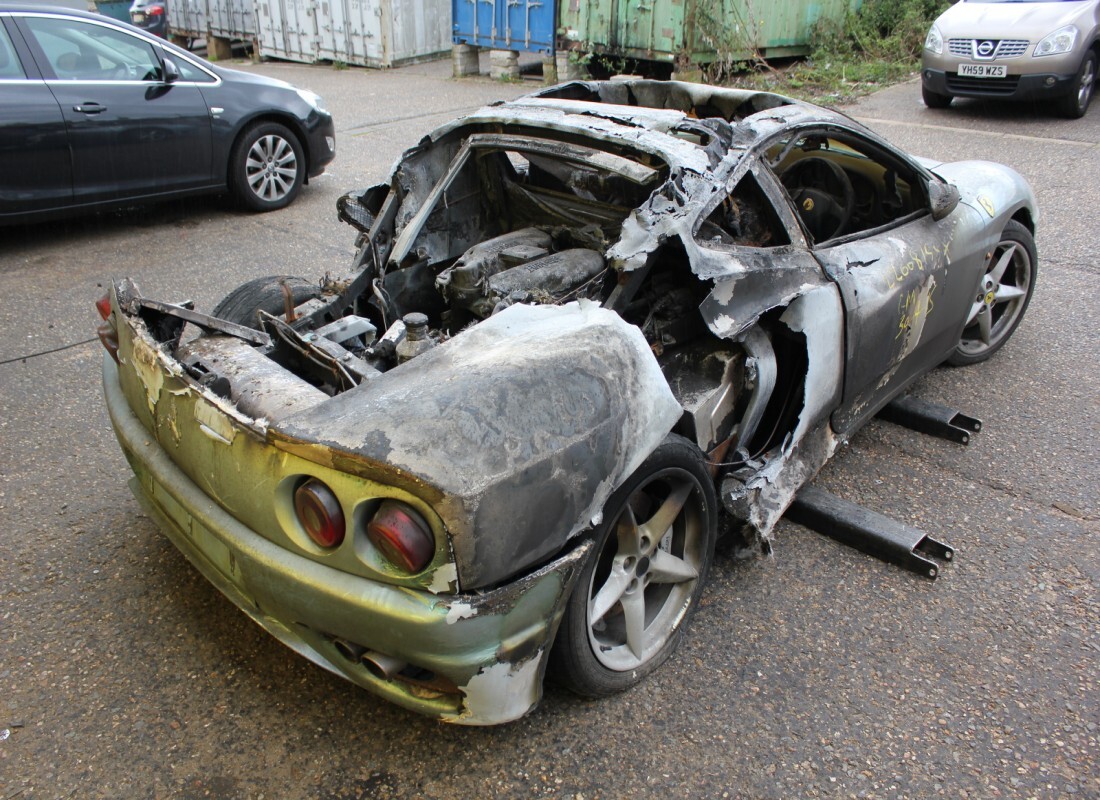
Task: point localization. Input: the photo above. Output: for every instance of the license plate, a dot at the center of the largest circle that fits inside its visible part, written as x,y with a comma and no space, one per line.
983,70
138,18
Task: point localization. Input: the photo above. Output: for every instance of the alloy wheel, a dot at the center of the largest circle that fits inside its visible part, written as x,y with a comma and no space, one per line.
646,574
271,167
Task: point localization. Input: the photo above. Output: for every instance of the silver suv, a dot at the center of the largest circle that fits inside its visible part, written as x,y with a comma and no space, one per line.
1014,50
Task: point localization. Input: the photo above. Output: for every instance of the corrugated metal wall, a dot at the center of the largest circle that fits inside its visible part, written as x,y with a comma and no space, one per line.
232,19
288,29
527,25
187,18
370,33
695,31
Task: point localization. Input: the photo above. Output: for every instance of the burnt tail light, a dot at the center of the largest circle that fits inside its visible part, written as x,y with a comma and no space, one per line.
320,513
106,330
402,536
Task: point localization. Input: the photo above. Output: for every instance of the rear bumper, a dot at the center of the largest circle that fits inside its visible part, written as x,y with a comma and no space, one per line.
1039,86
472,659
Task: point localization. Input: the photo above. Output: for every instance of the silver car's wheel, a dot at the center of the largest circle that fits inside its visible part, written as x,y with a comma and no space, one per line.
267,167
1001,297
644,578
934,99
1076,103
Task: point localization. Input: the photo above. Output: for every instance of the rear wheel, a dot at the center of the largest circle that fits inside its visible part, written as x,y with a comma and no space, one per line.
1001,298
935,99
642,581
1076,103
264,294
267,167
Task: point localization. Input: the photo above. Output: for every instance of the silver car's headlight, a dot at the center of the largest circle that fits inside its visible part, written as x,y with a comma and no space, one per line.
934,41
312,98
1061,41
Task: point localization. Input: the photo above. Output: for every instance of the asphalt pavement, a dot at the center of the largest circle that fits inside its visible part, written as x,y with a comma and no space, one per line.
814,672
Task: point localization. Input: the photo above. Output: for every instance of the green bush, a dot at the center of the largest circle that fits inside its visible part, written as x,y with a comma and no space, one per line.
889,30
875,46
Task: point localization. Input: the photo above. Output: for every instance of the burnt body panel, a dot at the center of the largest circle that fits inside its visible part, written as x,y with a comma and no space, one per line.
524,424
599,294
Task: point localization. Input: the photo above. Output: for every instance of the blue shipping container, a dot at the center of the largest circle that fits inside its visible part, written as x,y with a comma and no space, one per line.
505,24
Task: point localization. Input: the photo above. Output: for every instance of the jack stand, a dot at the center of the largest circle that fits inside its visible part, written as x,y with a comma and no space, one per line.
931,418
869,531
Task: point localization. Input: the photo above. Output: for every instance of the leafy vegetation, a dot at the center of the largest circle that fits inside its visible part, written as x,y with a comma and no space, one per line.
878,45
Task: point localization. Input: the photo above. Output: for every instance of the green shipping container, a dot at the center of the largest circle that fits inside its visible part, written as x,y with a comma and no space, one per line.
684,32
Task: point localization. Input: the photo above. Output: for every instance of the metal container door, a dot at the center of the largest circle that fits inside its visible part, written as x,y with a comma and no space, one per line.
350,31
649,28
187,18
232,19
418,28
288,29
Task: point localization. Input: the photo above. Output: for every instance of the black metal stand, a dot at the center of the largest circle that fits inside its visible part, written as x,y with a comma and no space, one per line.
869,531
931,418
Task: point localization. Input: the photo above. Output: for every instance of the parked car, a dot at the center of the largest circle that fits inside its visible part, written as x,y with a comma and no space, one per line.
150,16
98,114
580,326
1014,50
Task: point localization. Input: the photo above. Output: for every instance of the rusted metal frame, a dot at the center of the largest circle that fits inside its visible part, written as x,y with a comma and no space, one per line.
589,156
206,322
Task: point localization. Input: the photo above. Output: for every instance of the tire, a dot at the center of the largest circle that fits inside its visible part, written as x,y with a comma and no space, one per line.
1076,103
1002,297
266,167
935,99
263,294
636,577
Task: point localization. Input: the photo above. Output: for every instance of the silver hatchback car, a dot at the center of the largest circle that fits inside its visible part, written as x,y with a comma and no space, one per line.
1014,50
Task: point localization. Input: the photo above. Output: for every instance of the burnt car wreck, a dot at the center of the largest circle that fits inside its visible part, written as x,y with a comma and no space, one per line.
580,326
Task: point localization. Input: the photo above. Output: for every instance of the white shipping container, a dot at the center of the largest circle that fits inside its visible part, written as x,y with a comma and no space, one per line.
369,33
420,28
287,29
187,18
232,19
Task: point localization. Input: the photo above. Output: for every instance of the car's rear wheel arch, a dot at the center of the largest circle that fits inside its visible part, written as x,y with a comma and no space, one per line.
596,650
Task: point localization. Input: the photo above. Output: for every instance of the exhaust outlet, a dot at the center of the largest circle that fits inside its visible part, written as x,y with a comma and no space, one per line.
382,666
350,650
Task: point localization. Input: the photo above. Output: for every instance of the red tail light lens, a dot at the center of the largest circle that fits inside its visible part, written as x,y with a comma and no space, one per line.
155,11
103,306
402,536
320,513
108,336
106,331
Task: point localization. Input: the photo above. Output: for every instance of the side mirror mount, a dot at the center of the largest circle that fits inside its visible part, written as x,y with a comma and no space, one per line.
942,198
171,71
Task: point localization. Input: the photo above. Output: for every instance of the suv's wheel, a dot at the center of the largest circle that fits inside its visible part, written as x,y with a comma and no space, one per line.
935,99
642,581
267,167
1076,103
